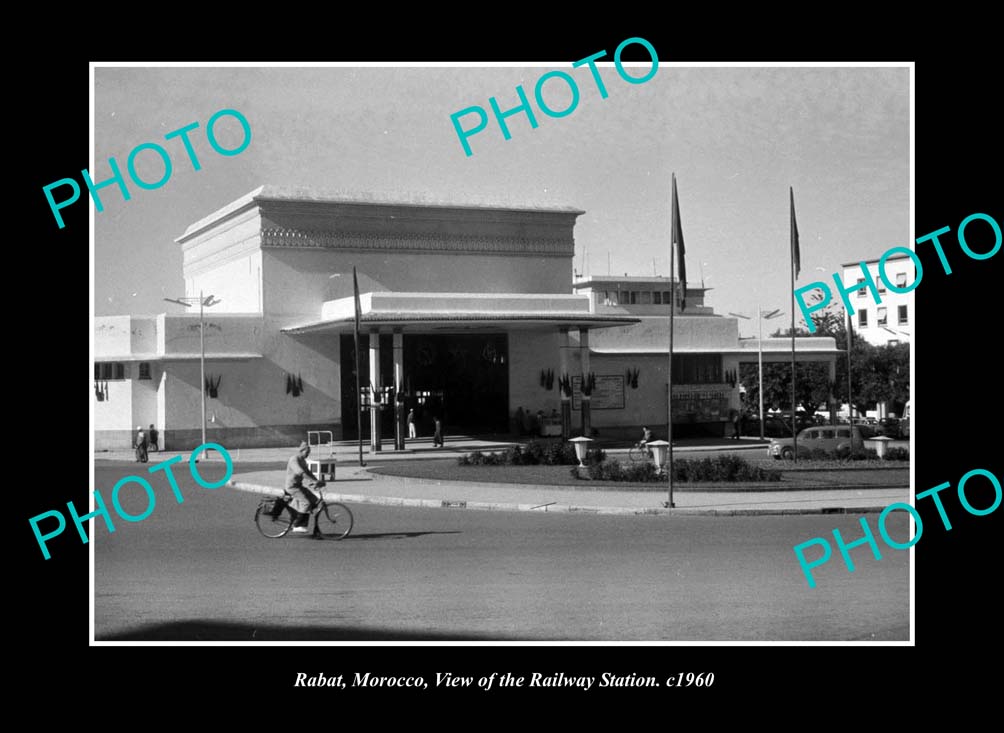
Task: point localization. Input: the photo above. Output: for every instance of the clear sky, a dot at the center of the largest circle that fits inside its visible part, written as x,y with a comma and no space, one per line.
736,137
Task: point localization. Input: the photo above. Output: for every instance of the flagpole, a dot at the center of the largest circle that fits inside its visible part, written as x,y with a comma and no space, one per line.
355,335
794,248
672,313
850,402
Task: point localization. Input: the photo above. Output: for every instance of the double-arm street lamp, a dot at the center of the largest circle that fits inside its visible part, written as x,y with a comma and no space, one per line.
204,301
761,317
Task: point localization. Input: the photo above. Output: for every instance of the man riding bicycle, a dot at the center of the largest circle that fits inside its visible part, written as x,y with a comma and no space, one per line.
646,438
302,499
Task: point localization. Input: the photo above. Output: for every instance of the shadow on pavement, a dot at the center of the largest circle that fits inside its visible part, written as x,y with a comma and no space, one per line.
394,535
223,631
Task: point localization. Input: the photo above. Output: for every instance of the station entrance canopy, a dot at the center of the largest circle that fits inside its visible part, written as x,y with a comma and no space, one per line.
451,353
428,312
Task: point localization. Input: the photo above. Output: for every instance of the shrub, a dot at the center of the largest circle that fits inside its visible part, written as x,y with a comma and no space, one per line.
536,452
897,454
719,469
613,470
816,454
856,454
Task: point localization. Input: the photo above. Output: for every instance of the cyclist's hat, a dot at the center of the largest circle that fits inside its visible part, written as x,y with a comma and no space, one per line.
304,444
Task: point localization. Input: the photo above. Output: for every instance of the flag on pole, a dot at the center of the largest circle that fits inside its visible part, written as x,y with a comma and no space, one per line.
355,291
796,257
681,250
355,340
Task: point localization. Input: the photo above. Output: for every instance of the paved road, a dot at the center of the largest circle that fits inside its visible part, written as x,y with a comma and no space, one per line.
201,571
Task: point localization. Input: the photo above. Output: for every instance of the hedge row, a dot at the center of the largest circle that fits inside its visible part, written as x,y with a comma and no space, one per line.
858,454
719,469
534,453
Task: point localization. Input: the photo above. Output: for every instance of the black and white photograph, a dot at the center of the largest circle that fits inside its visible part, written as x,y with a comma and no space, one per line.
603,350
430,312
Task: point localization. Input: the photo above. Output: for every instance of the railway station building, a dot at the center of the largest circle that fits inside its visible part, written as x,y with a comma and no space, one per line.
466,312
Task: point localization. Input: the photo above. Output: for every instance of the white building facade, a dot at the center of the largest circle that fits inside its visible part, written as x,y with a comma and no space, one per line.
467,313
891,321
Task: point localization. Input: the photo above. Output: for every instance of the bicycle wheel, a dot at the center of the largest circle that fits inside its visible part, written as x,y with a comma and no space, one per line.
334,521
635,454
273,526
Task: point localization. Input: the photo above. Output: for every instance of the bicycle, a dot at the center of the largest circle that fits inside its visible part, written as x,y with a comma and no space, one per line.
640,452
274,518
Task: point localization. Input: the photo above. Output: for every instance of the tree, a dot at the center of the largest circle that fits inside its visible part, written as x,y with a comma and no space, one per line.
878,373
812,385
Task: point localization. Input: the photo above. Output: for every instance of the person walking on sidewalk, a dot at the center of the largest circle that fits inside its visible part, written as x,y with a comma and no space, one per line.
437,436
411,424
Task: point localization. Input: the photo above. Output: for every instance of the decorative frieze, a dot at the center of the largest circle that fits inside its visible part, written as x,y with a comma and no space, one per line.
415,242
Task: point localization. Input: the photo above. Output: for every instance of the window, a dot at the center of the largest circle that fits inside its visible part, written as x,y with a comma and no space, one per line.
826,434
105,371
881,318
862,292
144,370
667,298
645,297
863,318
844,433
900,279
903,318
697,369
810,435
657,298
634,297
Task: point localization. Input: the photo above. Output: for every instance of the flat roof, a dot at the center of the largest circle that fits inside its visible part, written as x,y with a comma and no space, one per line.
368,198
416,321
875,260
632,280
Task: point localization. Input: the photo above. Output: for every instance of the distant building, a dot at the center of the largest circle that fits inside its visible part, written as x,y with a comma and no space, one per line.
891,321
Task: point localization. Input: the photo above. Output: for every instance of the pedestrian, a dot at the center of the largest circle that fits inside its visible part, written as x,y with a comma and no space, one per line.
539,427
525,422
141,445
737,419
412,433
437,436
154,437
520,417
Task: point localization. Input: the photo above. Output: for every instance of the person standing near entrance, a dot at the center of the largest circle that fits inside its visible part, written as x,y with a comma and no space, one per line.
737,421
154,437
437,436
140,444
411,424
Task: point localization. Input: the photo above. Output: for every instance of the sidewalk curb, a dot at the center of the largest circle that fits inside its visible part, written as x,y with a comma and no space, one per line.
554,507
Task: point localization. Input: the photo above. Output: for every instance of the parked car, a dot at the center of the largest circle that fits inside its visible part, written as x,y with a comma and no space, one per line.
831,438
891,427
867,430
773,427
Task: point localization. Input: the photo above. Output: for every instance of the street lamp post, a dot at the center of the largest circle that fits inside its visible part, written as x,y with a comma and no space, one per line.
204,302
760,317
